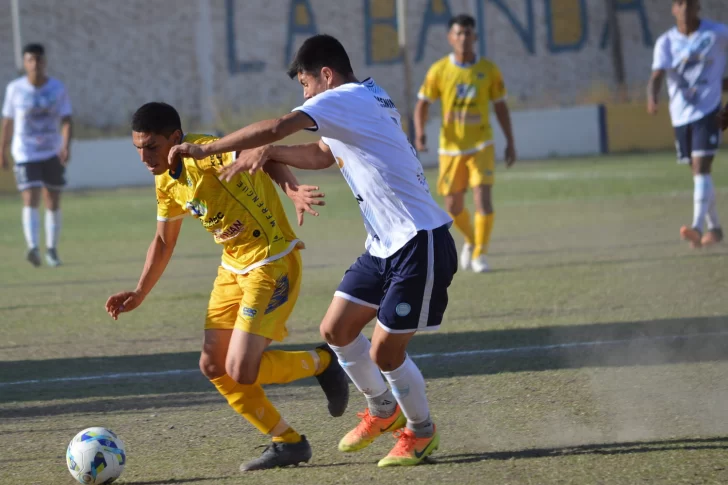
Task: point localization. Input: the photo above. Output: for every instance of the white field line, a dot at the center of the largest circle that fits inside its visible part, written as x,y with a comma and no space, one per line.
440,355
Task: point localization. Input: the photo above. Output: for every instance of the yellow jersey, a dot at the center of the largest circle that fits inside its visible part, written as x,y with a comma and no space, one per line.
244,215
465,92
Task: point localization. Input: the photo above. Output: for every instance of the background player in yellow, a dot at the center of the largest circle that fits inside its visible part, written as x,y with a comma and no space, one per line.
257,283
466,84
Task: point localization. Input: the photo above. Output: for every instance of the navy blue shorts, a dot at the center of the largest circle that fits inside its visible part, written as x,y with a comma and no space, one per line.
700,138
408,289
44,173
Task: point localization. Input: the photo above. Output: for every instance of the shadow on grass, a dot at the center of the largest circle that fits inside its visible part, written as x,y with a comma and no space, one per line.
439,355
604,449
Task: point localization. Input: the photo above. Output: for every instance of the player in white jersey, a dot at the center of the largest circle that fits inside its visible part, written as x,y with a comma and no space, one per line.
692,55
402,278
37,117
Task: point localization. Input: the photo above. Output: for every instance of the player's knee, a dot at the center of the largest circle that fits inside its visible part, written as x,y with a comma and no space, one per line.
243,372
210,368
386,357
334,334
454,205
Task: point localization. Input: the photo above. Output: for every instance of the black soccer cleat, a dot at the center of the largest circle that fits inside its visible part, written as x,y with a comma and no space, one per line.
278,455
33,257
335,384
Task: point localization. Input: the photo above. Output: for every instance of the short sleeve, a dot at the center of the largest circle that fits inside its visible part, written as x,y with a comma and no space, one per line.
497,86
330,111
167,208
430,89
662,58
64,109
8,111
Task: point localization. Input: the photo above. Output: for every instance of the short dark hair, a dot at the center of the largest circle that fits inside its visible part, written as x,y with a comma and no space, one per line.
156,118
463,20
320,51
35,49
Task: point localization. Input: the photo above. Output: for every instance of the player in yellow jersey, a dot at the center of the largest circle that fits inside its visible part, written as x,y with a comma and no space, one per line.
257,283
466,85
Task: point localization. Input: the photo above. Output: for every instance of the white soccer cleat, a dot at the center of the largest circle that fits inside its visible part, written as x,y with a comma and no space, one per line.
466,255
480,265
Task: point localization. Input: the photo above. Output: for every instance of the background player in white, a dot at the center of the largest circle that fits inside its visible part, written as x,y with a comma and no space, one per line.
693,55
410,257
37,117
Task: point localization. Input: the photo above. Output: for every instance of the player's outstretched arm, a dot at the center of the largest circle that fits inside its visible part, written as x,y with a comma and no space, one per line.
309,156
503,114
252,136
158,256
304,197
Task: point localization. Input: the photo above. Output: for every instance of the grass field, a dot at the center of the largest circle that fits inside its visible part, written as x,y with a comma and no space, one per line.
595,352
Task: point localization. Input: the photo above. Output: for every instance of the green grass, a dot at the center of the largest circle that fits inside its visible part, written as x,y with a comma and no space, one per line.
583,250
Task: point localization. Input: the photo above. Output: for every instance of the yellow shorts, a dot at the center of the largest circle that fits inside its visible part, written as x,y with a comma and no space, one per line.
258,302
457,172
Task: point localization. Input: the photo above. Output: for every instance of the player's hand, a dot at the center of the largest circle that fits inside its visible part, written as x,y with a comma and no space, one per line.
123,302
421,144
190,150
4,163
64,155
248,161
510,155
304,197
652,106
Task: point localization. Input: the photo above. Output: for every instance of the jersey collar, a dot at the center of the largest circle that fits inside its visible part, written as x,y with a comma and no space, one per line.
456,63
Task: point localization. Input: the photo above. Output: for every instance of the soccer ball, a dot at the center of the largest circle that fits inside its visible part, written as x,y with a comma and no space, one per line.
96,456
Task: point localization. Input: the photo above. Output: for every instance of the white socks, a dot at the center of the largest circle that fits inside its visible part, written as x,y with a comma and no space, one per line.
703,199
363,372
52,227
408,387
31,226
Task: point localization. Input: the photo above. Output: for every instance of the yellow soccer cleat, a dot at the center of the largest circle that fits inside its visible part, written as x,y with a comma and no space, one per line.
370,428
410,450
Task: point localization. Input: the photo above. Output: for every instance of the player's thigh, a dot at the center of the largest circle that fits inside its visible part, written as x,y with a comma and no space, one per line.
481,167
214,352
355,301
416,298
453,176
54,174
224,303
270,293
683,143
706,134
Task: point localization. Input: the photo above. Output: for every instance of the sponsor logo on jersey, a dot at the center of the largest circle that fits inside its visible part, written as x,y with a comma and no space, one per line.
229,232
214,220
197,207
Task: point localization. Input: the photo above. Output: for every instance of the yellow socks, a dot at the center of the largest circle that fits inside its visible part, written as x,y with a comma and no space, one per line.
249,401
483,228
276,367
462,223
288,436
282,367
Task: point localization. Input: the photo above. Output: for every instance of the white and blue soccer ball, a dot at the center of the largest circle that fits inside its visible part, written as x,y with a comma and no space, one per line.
96,456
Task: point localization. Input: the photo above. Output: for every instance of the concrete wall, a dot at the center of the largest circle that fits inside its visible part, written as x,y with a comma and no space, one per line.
117,54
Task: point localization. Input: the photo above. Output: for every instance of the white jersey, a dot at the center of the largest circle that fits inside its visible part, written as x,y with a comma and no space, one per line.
695,65
361,125
37,114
